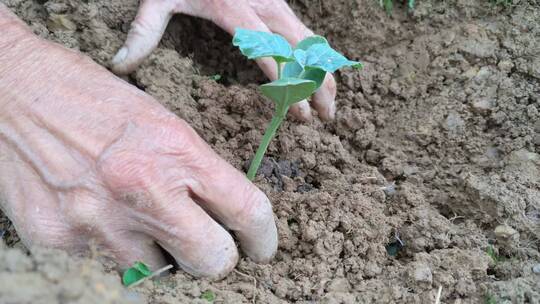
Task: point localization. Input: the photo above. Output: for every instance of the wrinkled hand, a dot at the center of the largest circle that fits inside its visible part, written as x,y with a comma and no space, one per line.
263,15
87,158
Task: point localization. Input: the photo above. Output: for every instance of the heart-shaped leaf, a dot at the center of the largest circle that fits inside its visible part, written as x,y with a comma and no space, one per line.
255,44
322,56
294,70
138,271
288,90
309,41
142,268
300,56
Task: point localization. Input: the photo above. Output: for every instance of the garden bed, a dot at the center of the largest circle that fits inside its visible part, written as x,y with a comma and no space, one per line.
435,144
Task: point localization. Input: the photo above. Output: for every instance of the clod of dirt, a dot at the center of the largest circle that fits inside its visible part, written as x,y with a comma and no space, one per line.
51,276
506,233
421,273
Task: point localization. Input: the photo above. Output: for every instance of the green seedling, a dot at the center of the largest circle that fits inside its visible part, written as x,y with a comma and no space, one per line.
301,71
494,255
216,77
388,5
490,299
209,296
138,271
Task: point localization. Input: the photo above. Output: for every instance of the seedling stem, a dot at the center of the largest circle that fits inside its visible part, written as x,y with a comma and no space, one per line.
269,134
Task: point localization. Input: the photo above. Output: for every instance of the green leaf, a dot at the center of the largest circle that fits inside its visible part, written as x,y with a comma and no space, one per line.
309,41
295,70
209,296
288,90
323,57
131,276
138,271
255,44
493,255
388,6
142,268
292,70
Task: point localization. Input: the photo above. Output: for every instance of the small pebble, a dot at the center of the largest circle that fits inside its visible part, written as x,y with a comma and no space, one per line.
390,189
422,273
536,269
505,232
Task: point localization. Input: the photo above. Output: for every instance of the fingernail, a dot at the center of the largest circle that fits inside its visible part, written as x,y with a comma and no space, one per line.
332,110
120,56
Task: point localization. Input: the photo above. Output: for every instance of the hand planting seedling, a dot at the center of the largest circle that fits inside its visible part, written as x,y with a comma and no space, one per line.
301,71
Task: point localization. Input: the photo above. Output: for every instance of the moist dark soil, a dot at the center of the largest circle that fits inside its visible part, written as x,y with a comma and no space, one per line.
432,161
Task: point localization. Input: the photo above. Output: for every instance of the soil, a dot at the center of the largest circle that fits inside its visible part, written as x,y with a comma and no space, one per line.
433,160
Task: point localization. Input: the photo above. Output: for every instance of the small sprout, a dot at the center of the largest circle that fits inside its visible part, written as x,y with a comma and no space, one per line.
490,299
388,5
138,271
209,296
494,255
216,77
300,72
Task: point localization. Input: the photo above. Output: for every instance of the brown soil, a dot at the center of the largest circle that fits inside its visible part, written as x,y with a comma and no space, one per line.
436,142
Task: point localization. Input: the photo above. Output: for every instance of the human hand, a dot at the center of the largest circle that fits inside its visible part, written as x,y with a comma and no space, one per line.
262,15
88,158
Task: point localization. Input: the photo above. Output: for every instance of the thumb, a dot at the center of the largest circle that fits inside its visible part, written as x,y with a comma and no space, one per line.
144,35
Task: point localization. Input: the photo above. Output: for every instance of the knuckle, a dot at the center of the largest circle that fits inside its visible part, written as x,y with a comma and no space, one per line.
263,7
256,211
127,174
147,158
217,7
124,168
84,214
142,26
135,155
55,236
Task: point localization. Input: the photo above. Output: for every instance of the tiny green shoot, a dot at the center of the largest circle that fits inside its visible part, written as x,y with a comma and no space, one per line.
490,299
209,296
216,77
138,271
300,70
388,5
494,255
